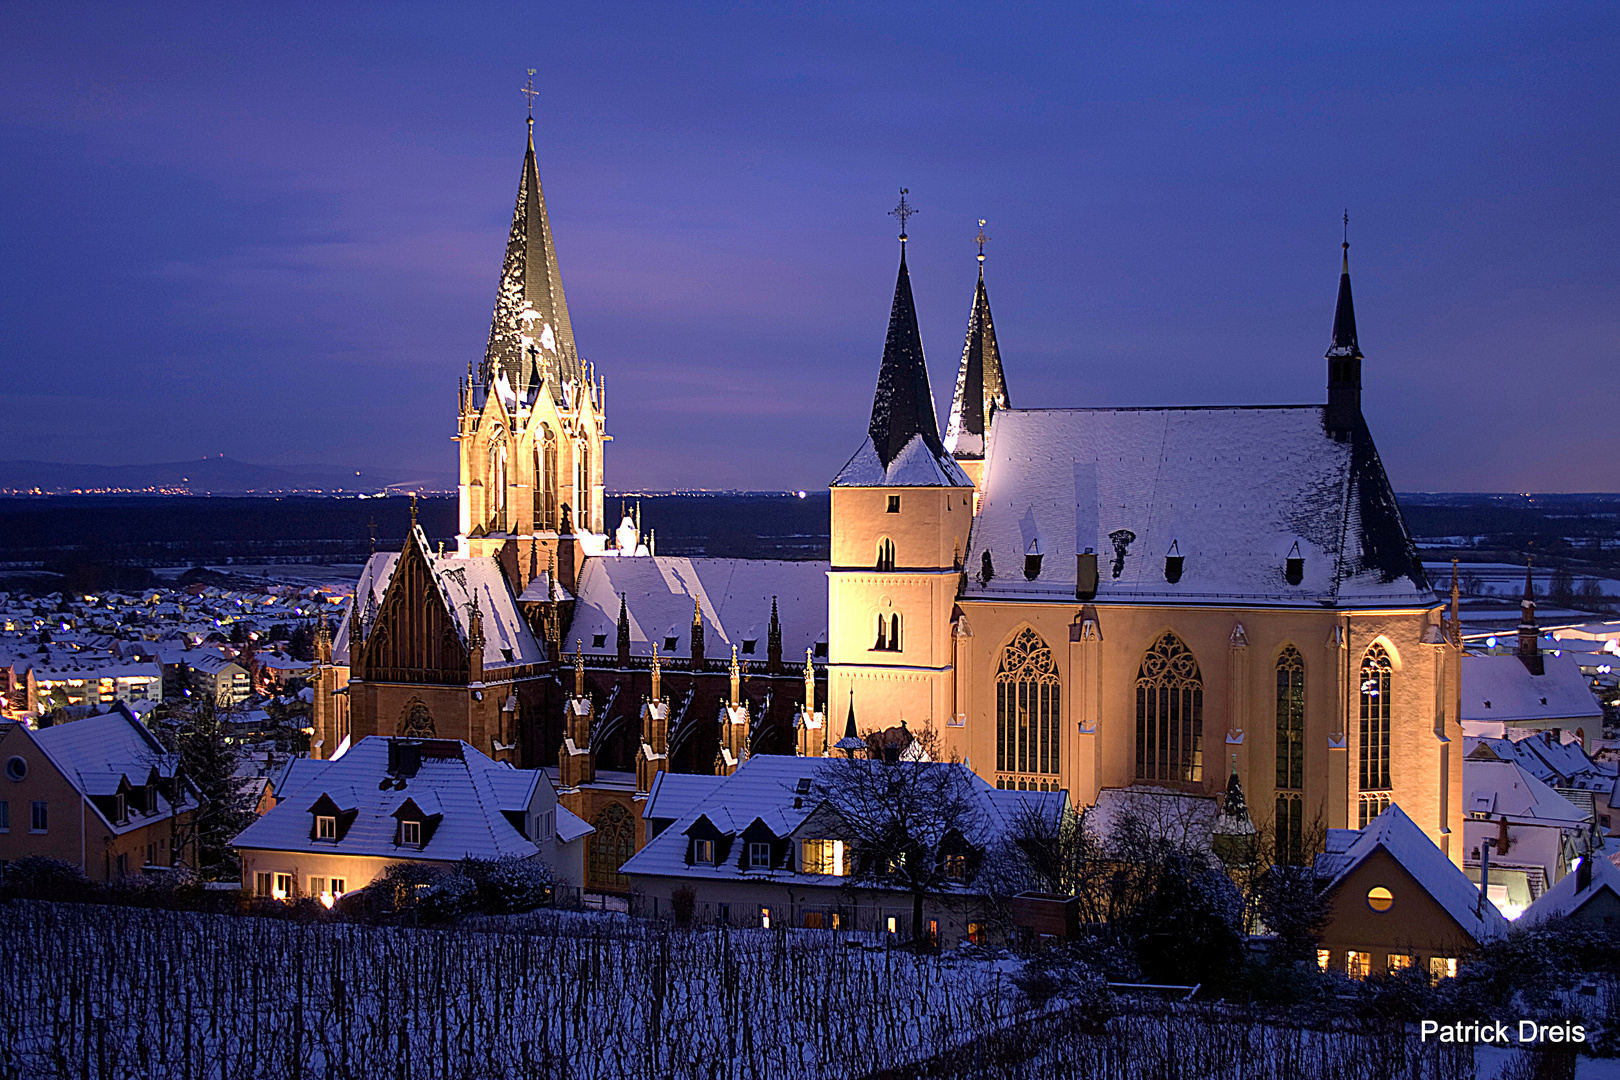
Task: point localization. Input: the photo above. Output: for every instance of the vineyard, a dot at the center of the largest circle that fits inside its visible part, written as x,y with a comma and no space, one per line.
105,992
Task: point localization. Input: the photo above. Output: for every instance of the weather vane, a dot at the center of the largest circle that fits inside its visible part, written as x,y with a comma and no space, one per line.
981,239
531,93
903,211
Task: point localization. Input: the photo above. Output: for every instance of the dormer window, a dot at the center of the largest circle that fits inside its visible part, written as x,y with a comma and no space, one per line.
325,827
749,644
703,852
759,855
122,807
598,641
410,833
671,643
820,648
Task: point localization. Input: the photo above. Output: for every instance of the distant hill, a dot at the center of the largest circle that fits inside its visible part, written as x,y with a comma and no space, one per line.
204,476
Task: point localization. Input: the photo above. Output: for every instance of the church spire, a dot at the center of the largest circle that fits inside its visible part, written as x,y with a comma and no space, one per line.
530,302
903,406
1344,354
980,386
1529,633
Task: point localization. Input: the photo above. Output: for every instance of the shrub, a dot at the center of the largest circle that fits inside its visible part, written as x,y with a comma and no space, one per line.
39,878
508,885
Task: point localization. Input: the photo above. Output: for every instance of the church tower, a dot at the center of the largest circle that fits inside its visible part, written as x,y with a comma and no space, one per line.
901,509
531,417
981,388
1344,358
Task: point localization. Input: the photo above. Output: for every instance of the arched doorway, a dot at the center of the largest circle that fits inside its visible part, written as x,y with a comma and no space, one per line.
610,845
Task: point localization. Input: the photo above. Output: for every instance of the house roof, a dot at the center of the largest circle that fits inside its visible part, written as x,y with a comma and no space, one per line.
1502,689
733,594
1507,788
454,780
1565,899
98,754
1237,491
1395,833
766,787
675,795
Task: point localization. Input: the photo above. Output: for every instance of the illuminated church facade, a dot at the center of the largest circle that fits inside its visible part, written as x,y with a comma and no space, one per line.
1072,599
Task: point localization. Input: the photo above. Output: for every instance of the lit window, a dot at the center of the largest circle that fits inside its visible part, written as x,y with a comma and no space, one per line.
1400,961
893,925
823,857
410,833
704,852
975,933
1375,720
765,918
326,828
1442,967
1358,965
956,867
283,887
759,855
1323,957
317,885
1380,898
261,884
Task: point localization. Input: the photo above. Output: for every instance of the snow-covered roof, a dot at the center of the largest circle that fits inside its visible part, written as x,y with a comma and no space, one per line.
1168,815
98,753
467,791
1547,758
1237,491
1565,899
917,465
766,788
1505,788
507,637
1502,689
735,596
674,795
1395,833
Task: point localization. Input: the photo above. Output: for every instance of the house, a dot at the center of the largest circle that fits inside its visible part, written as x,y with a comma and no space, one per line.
1590,894
1535,833
100,793
1500,694
768,846
1562,765
218,678
389,800
1396,901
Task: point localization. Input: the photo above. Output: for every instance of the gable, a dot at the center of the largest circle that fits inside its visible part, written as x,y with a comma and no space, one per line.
1416,921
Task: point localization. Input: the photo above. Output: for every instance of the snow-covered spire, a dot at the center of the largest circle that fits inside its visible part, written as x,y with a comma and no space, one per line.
981,388
903,406
530,334
851,742
1344,354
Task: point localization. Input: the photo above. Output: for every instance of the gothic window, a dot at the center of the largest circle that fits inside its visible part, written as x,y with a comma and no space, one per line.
888,632
610,846
1028,690
545,468
1375,670
1290,827
1290,720
497,486
1169,713
416,722
885,554
582,488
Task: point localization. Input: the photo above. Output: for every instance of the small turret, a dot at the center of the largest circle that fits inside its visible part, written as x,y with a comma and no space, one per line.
1529,633
697,634
576,757
624,633
773,643
851,742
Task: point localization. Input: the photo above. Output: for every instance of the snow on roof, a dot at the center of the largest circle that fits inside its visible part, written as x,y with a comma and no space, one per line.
96,754
1502,689
1238,491
1548,759
1167,814
766,787
1564,899
735,595
467,789
675,795
459,581
1394,832
1505,787
917,465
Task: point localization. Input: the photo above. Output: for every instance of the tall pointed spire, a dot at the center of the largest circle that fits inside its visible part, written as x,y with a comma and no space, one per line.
1344,354
1529,633
903,406
530,334
981,388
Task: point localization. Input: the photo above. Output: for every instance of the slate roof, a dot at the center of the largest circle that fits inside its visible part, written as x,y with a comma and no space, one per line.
467,788
1564,899
765,788
459,581
1501,689
981,387
1505,788
1394,832
1234,489
735,595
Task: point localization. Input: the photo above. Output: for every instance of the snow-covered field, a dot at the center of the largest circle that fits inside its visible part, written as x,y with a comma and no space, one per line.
113,992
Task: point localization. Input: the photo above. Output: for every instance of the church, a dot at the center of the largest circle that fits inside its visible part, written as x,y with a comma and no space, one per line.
1066,598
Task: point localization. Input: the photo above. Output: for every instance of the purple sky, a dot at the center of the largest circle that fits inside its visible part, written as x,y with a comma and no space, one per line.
276,235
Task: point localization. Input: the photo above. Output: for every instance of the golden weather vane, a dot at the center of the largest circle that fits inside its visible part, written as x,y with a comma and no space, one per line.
981,239
531,93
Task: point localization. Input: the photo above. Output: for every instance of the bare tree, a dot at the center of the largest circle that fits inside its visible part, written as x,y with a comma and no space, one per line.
915,826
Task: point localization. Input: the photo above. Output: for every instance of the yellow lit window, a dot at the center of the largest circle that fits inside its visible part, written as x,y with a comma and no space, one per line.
765,918
1358,964
1400,961
1442,967
1380,898
1323,956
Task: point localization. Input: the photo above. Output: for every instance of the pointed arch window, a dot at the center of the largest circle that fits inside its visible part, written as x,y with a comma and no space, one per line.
584,499
1375,719
1169,713
1290,720
885,554
497,486
1028,707
545,467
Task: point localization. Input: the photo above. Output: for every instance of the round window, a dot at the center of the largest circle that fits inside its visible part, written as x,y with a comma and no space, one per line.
1380,898
16,768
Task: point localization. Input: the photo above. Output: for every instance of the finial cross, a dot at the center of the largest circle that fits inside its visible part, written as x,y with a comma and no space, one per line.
1347,227
981,239
903,210
531,93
